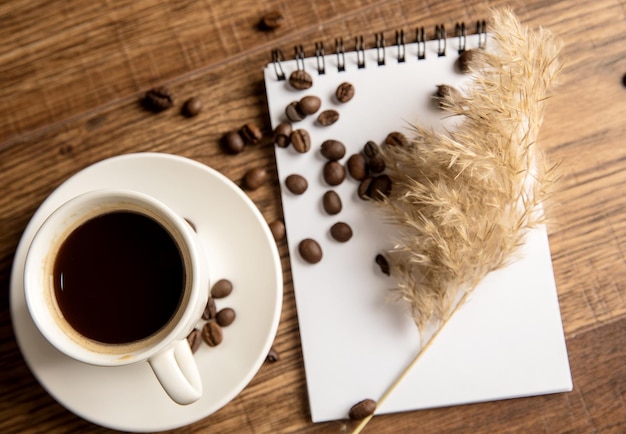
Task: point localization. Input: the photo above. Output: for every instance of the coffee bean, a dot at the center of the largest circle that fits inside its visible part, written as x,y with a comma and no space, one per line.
194,339
277,227
375,160
377,164
344,92
233,142
334,173
225,317
212,333
210,310
296,184
310,251
383,264
380,187
371,150
328,117
158,99
251,133
333,149
282,133
256,177
364,187
464,60
396,139
293,113
362,409
272,356
192,107
332,202
301,140
300,79
271,20
357,166
309,105
341,232
222,288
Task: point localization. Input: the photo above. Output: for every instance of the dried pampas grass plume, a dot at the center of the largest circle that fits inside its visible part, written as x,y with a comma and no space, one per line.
464,200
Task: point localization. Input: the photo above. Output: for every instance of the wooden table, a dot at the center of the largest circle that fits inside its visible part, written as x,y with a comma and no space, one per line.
71,76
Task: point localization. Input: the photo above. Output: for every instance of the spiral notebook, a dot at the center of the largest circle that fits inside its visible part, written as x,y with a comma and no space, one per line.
507,340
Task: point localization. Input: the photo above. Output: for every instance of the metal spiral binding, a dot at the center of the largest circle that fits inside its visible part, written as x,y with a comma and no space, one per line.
380,48
321,60
440,35
277,57
481,30
400,43
299,56
360,51
340,51
462,35
420,39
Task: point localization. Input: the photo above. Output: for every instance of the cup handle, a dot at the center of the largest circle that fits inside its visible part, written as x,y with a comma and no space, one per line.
177,371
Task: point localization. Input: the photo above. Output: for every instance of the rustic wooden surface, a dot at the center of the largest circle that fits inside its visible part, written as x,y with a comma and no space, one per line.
72,73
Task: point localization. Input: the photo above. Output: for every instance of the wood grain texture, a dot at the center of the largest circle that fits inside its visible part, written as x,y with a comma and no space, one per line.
71,77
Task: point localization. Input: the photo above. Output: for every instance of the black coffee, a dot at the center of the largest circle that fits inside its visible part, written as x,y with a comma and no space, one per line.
119,278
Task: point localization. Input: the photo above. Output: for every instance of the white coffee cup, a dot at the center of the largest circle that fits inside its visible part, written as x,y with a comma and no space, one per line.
166,349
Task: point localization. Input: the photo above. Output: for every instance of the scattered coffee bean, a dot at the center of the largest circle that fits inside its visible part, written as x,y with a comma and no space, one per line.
296,184
271,20
254,178
272,356
309,104
333,149
465,59
233,142
282,133
225,317
328,117
210,310
396,139
158,99
375,160
334,173
310,251
383,264
364,187
212,333
357,166
293,113
446,94
194,339
377,164
332,202
222,288
277,227
301,140
341,232
362,409
344,92
192,107
251,133
300,79
371,150
380,187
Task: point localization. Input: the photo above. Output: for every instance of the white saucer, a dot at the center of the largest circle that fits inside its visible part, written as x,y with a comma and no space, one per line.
239,247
